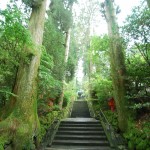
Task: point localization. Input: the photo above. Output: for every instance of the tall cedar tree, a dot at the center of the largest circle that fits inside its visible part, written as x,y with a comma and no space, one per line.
23,124
117,65
64,11
67,45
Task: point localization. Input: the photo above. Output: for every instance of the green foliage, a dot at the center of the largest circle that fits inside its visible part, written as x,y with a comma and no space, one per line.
112,118
140,105
137,84
70,69
53,113
99,43
73,58
54,43
136,34
98,54
67,97
13,38
137,28
102,87
46,121
56,108
46,80
138,138
2,142
62,14
69,93
32,3
58,22
48,86
5,95
52,63
138,76
96,107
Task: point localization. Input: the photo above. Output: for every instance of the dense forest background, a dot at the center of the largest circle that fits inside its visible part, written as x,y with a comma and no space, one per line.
41,46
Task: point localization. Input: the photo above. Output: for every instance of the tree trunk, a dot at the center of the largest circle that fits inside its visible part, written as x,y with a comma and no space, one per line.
67,45
90,65
117,65
23,121
148,3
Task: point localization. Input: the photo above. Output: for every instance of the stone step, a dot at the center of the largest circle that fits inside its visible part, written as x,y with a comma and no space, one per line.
80,125
80,137
80,115
81,122
80,133
84,107
80,128
78,148
86,113
81,142
80,109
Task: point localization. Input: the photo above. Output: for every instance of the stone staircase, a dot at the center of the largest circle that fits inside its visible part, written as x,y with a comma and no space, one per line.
80,132
80,109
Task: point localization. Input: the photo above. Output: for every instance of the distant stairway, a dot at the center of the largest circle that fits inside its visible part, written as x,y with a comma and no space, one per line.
80,132
80,109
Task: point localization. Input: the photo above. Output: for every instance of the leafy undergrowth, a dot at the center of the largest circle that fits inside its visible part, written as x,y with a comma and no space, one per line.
46,121
111,116
138,134
112,119
49,115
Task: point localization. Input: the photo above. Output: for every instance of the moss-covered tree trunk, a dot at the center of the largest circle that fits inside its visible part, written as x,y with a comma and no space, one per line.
22,125
67,45
117,65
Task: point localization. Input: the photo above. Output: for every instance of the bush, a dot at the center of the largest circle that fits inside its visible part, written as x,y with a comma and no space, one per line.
13,38
112,118
102,88
67,97
46,121
138,138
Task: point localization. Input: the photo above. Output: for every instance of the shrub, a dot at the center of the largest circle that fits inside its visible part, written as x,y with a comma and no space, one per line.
67,97
112,118
138,138
102,88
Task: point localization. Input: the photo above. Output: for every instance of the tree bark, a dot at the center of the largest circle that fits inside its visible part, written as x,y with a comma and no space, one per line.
90,65
67,45
148,3
117,65
24,120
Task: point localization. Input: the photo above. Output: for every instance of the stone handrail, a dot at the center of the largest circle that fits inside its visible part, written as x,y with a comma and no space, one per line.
48,138
115,139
